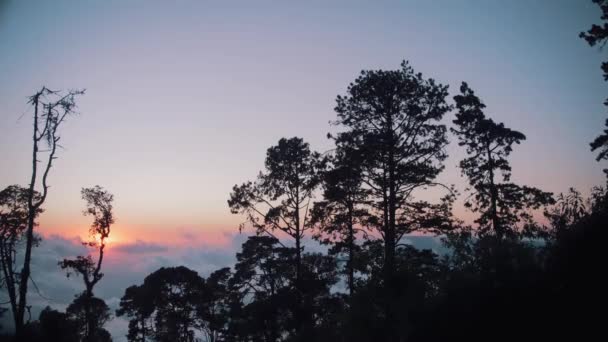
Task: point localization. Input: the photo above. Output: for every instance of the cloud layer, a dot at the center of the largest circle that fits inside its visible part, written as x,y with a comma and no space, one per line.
124,265
128,264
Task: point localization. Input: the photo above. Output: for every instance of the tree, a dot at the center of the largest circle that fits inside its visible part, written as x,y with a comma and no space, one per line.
342,214
271,309
279,200
214,305
569,209
51,109
262,279
502,205
392,120
99,205
89,314
601,143
418,274
598,35
136,304
57,326
262,267
171,298
51,325
576,258
318,277
13,225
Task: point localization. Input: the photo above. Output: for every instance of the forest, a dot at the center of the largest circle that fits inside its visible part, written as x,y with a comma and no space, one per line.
328,257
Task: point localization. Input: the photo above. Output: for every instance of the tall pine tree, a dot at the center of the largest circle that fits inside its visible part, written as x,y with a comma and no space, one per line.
502,205
392,118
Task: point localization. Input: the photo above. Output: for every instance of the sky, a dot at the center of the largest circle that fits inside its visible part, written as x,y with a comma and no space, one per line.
184,97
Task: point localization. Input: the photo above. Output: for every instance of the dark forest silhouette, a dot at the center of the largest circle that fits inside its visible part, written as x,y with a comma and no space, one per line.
530,266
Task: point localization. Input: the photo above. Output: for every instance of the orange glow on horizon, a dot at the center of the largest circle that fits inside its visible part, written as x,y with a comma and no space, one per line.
130,234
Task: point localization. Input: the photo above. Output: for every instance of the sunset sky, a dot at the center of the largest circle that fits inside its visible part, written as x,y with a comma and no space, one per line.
184,97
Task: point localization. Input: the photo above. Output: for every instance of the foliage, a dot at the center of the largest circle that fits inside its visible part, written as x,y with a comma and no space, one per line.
99,205
502,204
598,35
89,314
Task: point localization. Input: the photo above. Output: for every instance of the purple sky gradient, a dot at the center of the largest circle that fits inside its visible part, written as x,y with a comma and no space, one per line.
184,98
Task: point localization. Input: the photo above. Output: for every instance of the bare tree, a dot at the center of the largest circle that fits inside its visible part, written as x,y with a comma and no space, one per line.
51,109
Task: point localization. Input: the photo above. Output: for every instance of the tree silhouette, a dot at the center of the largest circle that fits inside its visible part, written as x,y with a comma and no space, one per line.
575,258
170,297
598,35
280,198
51,325
264,305
215,304
418,278
51,109
99,205
567,211
89,314
262,267
13,225
601,143
318,277
137,305
392,119
262,278
342,214
57,326
501,204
